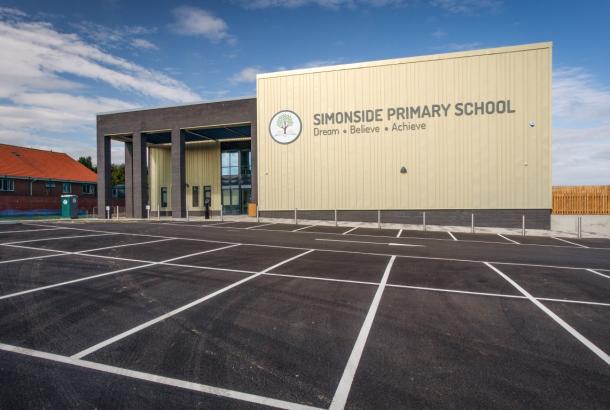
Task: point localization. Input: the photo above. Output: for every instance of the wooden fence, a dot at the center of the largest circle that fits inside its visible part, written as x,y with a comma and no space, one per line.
584,200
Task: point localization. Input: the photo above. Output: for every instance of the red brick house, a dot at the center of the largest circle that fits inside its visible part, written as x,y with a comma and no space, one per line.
32,180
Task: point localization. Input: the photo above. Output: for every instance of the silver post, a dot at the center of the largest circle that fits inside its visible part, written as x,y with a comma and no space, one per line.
221,215
336,221
296,222
472,222
424,224
580,227
522,225
187,214
258,218
108,213
117,212
378,219
148,212
158,211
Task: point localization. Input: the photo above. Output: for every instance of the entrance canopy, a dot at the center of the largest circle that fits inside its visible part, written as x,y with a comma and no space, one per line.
202,134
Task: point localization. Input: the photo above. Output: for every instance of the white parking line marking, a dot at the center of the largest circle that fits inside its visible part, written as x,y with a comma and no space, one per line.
30,230
303,228
349,230
399,233
32,258
571,243
125,245
508,239
69,282
153,378
260,226
376,243
61,238
452,236
599,273
347,378
180,309
600,353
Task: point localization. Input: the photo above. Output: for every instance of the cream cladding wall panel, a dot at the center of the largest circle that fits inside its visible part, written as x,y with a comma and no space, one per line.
202,168
159,175
493,161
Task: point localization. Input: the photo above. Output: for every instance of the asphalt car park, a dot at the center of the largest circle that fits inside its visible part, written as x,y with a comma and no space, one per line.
246,315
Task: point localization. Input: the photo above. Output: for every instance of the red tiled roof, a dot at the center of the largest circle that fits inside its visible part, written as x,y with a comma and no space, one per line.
34,163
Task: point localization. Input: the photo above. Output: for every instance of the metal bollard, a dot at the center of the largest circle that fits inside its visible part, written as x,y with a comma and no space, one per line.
522,225
158,212
472,222
117,212
378,219
187,214
296,221
222,218
258,219
579,224
424,216
336,221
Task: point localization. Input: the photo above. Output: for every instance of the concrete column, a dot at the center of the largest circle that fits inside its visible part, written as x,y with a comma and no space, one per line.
140,175
129,179
104,181
253,148
178,175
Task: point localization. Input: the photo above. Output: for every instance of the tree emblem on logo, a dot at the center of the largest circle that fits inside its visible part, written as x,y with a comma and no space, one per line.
285,126
284,121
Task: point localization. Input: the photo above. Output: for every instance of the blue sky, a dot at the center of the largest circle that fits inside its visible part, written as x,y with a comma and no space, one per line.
63,61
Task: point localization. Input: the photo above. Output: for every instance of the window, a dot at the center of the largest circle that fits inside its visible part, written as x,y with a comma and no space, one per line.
88,189
207,195
67,188
195,196
163,197
7,184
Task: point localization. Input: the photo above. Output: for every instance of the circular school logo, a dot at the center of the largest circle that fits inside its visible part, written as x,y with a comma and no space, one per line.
285,127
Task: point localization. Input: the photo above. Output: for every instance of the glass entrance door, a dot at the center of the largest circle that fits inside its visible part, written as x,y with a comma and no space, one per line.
236,180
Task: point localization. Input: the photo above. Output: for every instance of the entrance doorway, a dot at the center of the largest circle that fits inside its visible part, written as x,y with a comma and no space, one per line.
236,176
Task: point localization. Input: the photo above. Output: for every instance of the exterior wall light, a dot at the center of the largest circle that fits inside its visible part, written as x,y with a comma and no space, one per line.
403,170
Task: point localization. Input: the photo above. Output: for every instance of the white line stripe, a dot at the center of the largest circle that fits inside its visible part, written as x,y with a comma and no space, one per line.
260,226
358,282
303,228
30,230
37,249
148,377
452,237
349,230
345,384
402,244
599,273
508,239
368,242
125,245
60,238
464,292
32,257
579,302
399,233
174,312
602,355
571,243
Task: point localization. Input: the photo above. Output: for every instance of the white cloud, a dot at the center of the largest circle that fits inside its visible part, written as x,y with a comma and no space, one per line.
439,34
329,4
141,43
193,21
246,75
112,37
581,131
459,46
467,6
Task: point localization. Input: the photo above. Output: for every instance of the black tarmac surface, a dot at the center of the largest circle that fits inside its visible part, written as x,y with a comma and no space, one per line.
245,315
